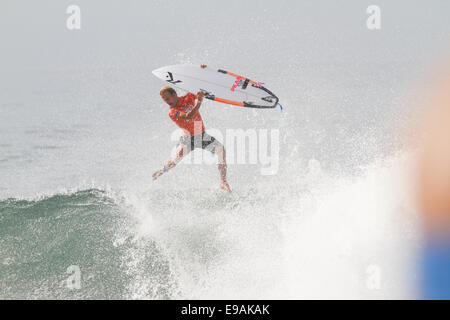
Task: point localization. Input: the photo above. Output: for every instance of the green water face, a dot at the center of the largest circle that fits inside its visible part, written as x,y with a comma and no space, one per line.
40,241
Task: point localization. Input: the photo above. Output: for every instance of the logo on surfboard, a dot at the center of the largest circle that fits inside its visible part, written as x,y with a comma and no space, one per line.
171,80
237,83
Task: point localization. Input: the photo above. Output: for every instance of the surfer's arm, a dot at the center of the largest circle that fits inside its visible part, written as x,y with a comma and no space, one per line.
189,115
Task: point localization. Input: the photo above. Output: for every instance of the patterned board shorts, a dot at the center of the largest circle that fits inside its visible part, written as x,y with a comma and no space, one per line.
203,140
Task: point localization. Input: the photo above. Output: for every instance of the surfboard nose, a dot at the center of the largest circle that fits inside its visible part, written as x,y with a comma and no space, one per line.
159,71
171,68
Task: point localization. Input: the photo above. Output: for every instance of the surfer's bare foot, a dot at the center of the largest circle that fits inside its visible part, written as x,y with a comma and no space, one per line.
224,185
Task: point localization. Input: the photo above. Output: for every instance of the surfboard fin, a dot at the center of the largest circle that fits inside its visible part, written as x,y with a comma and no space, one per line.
281,107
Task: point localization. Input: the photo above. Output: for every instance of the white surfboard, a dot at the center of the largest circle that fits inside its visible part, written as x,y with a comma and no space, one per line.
218,85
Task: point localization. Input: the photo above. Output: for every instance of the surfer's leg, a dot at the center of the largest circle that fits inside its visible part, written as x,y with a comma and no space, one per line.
181,151
211,144
219,150
221,161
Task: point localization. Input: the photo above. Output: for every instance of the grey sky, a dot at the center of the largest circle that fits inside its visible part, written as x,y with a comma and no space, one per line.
34,33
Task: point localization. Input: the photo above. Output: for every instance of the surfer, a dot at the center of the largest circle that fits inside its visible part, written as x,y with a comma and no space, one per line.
185,113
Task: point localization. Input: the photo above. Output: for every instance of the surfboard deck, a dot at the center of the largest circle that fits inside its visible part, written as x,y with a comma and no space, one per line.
218,85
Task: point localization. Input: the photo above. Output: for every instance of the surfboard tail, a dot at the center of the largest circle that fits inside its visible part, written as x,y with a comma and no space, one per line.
271,98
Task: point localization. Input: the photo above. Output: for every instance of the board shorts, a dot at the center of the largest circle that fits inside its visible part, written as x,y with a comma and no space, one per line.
203,140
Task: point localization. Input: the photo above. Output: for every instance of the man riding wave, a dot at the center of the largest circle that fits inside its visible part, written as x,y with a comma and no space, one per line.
184,111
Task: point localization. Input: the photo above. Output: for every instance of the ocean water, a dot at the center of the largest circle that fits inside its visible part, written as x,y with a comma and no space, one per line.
82,128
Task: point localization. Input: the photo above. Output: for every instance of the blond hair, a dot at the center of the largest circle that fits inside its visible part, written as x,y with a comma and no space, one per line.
168,89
